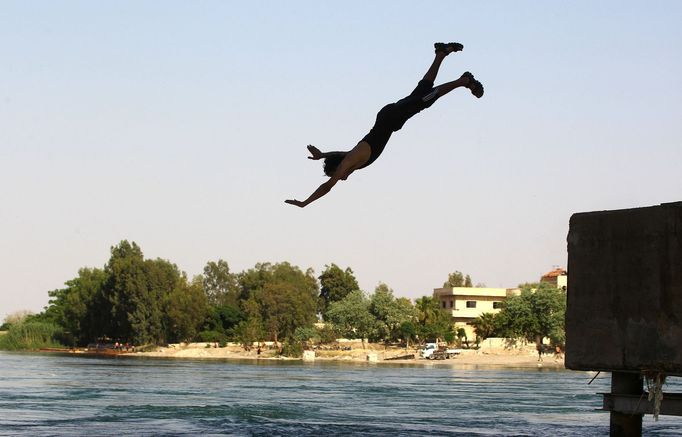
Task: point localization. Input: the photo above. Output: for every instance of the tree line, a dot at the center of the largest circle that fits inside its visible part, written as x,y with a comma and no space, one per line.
150,301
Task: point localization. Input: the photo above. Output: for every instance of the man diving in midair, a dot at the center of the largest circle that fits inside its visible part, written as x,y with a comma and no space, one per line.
391,118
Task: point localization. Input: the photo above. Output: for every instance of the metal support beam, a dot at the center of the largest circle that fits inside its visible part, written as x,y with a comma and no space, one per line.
671,405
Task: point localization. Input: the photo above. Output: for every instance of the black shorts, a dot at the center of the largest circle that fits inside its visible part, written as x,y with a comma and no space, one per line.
393,116
396,114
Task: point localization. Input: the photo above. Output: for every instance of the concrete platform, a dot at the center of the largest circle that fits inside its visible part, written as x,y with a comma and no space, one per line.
624,307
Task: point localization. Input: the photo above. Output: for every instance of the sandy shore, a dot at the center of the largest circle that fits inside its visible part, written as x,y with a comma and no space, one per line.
476,358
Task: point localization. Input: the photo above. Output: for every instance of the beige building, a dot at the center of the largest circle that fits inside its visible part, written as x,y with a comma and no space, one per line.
465,304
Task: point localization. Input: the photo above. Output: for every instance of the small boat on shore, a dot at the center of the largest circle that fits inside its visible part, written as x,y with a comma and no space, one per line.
90,350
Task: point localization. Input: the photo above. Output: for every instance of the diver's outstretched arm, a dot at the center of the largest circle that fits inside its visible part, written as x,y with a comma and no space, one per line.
352,160
321,191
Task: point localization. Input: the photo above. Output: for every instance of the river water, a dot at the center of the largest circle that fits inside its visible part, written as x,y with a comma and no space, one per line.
45,394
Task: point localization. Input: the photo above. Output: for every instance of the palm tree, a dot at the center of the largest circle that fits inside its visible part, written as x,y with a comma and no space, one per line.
485,326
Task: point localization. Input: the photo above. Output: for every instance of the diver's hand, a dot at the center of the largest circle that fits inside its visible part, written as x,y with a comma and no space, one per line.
295,202
315,152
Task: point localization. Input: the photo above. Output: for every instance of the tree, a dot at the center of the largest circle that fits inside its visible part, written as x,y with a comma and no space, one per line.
534,314
253,280
221,286
78,308
223,319
186,310
458,279
335,284
135,291
162,279
352,317
251,329
408,331
433,322
485,326
390,312
286,308
124,291
306,335
285,297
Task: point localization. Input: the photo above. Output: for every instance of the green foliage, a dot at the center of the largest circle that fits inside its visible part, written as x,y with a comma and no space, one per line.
186,309
352,317
134,291
485,326
251,329
328,334
224,319
433,323
77,308
458,279
292,348
31,335
449,336
306,334
390,313
211,336
129,300
219,284
408,331
285,307
534,314
147,301
335,284
281,297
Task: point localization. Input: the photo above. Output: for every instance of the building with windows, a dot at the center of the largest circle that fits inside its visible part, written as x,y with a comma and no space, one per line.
465,304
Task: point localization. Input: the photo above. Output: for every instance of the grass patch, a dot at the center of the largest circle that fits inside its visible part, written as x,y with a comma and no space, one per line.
30,336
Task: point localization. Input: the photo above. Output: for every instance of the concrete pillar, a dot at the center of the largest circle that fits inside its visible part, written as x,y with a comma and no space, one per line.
622,424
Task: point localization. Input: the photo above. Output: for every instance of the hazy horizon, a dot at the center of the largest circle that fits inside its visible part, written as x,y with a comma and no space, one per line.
183,128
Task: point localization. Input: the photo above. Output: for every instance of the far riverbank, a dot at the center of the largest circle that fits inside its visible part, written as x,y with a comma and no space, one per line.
513,358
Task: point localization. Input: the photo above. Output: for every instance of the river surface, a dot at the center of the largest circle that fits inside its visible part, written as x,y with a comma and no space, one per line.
45,394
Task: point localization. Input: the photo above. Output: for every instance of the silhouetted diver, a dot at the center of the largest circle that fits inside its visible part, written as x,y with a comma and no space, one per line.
391,118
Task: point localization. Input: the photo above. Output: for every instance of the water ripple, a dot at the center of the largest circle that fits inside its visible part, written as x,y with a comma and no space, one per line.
66,395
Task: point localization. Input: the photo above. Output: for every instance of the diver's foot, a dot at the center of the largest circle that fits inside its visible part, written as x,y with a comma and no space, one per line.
447,48
475,86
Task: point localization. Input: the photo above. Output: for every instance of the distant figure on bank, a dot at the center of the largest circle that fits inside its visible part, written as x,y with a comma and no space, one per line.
391,118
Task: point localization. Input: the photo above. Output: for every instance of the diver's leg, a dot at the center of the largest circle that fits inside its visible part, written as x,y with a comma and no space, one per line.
442,50
435,66
466,80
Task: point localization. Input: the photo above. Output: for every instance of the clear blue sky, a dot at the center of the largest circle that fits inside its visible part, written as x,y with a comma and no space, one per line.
183,125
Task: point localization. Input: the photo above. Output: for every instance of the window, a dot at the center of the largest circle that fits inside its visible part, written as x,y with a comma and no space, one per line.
471,304
443,303
497,305
450,304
